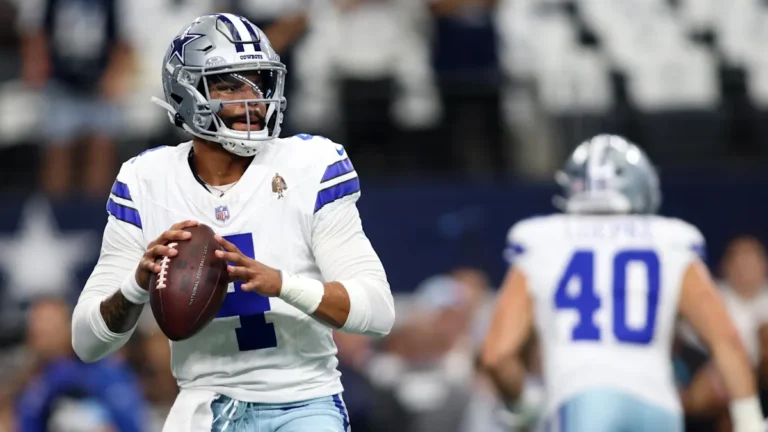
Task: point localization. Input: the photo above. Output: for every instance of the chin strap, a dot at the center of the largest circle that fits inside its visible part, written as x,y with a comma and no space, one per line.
165,105
172,117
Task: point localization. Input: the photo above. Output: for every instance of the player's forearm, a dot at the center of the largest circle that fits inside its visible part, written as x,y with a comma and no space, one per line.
361,305
92,339
732,362
119,314
104,318
334,307
508,376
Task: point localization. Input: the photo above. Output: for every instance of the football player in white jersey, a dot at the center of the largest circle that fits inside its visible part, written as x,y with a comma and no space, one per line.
284,210
603,284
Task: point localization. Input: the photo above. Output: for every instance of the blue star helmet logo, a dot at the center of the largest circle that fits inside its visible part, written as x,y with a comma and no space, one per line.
180,43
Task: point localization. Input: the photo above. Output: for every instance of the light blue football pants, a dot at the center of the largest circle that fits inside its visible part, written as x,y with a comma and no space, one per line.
608,410
326,414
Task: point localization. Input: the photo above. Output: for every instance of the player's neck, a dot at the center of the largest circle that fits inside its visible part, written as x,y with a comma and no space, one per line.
216,166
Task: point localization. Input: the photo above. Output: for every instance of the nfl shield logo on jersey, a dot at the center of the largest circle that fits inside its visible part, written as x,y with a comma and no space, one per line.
222,213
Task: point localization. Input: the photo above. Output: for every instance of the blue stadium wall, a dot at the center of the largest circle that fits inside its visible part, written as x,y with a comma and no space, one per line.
423,227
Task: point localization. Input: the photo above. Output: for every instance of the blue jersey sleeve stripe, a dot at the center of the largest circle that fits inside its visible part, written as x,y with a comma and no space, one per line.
512,251
133,159
120,190
337,191
700,250
337,169
124,213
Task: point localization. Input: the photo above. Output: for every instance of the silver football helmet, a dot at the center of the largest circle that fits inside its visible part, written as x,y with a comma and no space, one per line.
229,57
608,174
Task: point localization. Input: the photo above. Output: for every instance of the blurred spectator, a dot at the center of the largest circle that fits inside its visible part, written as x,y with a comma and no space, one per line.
364,77
75,51
744,289
149,353
370,409
465,55
283,21
62,393
428,362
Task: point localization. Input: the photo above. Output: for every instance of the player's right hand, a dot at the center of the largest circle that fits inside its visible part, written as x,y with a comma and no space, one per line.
157,248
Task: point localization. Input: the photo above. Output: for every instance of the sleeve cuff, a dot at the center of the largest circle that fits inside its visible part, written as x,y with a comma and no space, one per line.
359,309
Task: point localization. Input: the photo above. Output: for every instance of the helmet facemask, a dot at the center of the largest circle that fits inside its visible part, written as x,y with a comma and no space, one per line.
239,107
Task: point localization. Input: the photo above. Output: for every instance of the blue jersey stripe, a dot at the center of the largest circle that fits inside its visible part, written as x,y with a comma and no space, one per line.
335,192
120,190
337,169
123,213
232,29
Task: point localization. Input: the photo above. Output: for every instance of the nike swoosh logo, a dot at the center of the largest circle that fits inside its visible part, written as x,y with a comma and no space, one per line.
340,151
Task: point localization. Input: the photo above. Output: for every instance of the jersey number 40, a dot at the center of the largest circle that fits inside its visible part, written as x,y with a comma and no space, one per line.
586,302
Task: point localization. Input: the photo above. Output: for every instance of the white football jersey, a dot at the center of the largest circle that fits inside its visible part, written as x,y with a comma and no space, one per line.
605,292
293,209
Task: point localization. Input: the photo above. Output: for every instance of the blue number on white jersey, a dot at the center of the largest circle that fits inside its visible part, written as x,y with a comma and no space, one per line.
586,302
255,332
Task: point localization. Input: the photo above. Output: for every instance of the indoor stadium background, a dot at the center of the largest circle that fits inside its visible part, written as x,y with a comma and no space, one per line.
456,114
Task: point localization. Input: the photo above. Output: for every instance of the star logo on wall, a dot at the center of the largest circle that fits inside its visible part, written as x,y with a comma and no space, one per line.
38,259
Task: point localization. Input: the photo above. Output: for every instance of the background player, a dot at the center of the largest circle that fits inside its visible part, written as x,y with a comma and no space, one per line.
264,363
605,282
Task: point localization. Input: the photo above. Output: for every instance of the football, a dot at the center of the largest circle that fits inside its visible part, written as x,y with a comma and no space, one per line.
188,291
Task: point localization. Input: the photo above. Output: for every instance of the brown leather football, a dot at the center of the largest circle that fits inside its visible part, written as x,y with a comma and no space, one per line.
190,288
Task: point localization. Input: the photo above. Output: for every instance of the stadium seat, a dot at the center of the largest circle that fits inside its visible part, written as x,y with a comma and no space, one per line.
685,80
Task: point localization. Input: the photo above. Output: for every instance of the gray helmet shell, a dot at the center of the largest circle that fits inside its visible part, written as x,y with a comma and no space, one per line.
608,174
216,45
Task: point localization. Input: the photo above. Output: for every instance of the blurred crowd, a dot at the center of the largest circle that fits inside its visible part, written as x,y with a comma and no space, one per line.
423,377
471,87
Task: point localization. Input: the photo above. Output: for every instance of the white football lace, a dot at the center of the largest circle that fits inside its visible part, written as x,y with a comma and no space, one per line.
161,277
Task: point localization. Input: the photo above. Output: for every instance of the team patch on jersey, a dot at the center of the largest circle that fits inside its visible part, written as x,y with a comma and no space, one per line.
222,213
278,185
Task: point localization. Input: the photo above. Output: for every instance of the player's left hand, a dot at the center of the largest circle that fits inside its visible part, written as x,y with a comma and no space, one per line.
255,276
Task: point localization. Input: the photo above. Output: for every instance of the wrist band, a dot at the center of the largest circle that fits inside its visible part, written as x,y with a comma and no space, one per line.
303,293
133,292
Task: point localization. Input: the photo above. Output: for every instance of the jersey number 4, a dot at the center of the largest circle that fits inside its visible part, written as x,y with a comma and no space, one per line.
586,302
255,332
